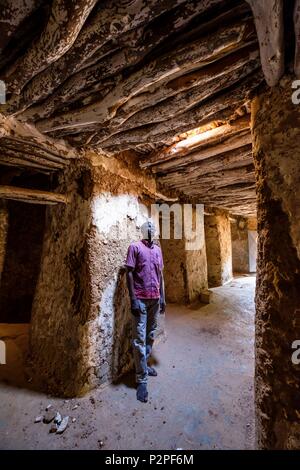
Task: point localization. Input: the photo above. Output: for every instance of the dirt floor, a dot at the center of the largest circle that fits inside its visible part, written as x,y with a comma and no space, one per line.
203,397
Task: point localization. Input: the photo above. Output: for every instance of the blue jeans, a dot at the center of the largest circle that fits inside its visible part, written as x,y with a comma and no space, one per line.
144,326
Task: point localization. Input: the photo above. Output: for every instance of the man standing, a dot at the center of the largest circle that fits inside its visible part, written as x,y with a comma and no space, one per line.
146,290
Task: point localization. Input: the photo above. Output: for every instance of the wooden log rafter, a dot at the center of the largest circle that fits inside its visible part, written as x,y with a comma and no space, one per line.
109,21
221,162
13,156
195,117
22,144
245,190
183,101
176,96
234,142
23,163
33,196
13,13
134,75
192,56
133,46
244,57
11,128
268,17
198,142
16,146
64,24
211,181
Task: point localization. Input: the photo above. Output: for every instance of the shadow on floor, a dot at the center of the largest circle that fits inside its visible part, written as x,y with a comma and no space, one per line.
128,379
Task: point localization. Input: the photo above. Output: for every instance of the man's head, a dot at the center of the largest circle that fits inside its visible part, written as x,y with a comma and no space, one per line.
148,230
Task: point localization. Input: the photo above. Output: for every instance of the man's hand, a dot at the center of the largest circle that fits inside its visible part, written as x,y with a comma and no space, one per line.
162,307
135,307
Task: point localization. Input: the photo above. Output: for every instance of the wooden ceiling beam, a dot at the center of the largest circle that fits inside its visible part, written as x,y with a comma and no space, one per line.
231,143
245,190
187,99
6,160
65,22
213,181
228,161
13,156
33,196
198,142
13,13
269,22
167,87
109,21
19,141
204,113
133,46
198,54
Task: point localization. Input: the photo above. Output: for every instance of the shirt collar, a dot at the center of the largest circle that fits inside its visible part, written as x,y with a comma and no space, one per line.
147,243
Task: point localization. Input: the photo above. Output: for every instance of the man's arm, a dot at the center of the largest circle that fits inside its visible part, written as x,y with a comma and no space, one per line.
135,305
130,285
162,293
162,299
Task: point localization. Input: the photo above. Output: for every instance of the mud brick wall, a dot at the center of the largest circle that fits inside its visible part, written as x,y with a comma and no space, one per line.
276,134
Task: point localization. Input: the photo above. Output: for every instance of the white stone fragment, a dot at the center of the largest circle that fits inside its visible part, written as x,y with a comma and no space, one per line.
63,426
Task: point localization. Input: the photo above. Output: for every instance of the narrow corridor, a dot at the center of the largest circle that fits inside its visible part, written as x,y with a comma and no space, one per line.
203,397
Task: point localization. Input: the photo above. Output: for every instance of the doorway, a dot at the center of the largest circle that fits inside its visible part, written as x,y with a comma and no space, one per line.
252,247
22,241
26,223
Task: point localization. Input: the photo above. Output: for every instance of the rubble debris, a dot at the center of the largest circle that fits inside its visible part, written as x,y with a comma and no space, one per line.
38,419
58,418
49,416
63,425
53,428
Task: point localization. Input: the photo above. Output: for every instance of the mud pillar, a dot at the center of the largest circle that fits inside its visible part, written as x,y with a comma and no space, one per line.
218,248
242,250
276,134
81,322
185,262
59,327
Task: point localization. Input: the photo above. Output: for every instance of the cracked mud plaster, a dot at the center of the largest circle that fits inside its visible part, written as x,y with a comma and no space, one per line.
80,331
276,134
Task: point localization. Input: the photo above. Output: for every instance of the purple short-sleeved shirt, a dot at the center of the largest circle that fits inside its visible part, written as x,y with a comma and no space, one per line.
147,263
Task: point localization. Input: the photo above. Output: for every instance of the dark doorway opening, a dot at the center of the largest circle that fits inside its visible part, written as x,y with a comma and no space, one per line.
24,241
